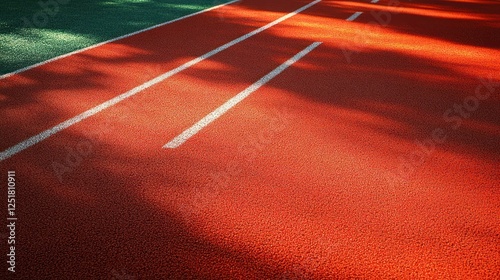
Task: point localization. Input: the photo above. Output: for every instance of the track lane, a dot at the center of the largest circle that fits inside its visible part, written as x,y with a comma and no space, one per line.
344,156
456,184
85,193
310,199
10,88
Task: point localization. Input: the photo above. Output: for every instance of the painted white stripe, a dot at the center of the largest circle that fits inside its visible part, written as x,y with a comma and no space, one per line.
49,132
197,127
374,1
354,16
111,40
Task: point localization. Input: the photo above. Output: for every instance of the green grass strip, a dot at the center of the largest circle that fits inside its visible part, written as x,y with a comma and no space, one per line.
32,31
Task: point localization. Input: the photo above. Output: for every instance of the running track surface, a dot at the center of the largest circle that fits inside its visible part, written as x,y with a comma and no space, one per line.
328,171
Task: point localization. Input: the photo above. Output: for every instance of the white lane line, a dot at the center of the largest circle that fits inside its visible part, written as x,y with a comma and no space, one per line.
374,1
354,16
111,40
51,131
190,132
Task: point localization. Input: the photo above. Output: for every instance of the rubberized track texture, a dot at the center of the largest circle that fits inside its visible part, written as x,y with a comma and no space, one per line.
372,155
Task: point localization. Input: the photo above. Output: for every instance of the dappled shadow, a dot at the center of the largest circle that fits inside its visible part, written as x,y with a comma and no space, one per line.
113,210
29,24
464,23
460,22
124,206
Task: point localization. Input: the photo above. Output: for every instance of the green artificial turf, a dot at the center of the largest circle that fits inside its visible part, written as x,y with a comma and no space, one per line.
31,33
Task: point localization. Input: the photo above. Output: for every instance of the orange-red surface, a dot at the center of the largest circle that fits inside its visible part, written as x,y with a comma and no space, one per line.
333,170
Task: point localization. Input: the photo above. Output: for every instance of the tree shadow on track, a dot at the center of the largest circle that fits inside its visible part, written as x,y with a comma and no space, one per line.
115,216
34,31
463,23
118,211
387,74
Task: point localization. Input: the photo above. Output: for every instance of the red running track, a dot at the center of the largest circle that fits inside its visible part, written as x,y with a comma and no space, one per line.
359,161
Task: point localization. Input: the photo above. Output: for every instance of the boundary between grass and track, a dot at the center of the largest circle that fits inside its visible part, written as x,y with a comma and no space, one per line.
62,126
112,40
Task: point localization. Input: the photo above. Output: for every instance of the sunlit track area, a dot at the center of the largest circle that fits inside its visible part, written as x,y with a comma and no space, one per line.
251,139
